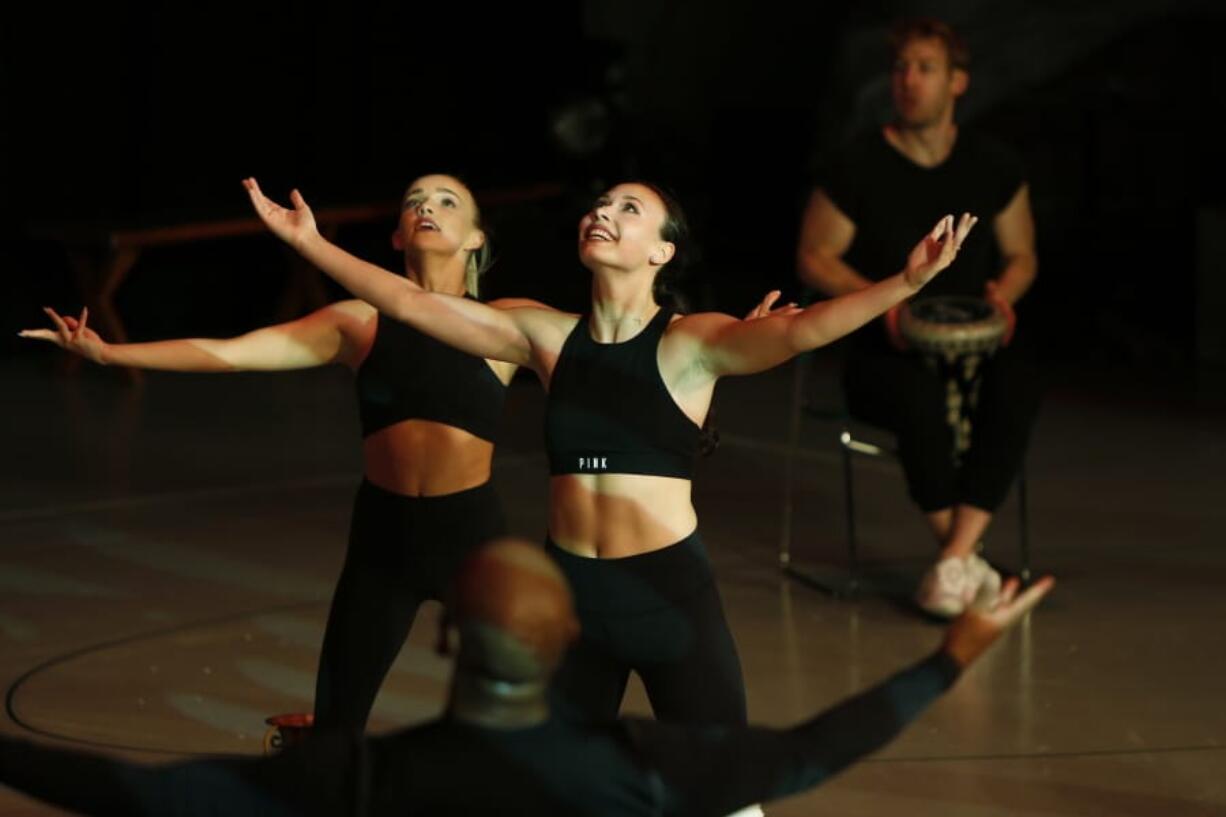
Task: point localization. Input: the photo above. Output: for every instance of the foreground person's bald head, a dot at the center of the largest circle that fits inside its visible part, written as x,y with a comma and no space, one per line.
514,611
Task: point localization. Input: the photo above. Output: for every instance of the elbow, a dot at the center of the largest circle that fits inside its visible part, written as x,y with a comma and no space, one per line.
1027,264
808,270
804,270
402,305
1027,271
803,337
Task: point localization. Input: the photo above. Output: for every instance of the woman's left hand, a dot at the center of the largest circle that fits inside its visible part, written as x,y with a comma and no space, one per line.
937,250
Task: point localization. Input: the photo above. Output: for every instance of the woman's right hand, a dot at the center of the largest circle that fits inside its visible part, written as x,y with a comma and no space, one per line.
72,334
295,227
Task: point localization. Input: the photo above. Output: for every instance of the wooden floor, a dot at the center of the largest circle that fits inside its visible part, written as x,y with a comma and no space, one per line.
167,554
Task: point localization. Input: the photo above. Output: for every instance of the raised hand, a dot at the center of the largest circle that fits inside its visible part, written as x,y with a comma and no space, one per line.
294,226
937,250
971,633
72,334
764,309
991,293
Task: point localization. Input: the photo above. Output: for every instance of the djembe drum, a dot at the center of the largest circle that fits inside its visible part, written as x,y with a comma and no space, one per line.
955,334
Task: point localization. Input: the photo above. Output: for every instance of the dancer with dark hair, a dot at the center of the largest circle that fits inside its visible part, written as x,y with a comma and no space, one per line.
630,385
499,749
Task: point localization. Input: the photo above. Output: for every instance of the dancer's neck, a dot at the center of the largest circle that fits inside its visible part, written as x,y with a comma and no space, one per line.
622,304
434,273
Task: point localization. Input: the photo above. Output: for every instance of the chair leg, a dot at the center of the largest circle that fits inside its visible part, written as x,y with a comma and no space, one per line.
1023,525
853,557
788,512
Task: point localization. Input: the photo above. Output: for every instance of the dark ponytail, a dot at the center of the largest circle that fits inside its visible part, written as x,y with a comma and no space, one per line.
666,290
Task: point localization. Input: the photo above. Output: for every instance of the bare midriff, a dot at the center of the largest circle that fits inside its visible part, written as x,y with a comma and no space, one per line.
610,516
425,458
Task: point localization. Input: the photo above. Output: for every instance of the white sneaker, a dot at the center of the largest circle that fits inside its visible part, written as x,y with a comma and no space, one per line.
749,811
946,588
986,580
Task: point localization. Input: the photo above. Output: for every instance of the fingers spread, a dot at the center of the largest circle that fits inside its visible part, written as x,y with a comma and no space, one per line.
58,321
964,227
258,199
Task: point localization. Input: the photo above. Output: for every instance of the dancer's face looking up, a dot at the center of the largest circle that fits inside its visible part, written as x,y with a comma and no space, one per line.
439,214
625,229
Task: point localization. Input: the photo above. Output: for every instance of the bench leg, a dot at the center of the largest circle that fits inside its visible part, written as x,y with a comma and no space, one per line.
98,282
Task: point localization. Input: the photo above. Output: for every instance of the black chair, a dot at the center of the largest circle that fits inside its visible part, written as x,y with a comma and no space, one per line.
854,437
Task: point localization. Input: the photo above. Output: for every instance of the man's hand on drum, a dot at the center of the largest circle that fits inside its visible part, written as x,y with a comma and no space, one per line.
892,331
991,293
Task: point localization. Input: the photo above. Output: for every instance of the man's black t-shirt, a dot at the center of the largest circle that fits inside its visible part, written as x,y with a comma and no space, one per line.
894,201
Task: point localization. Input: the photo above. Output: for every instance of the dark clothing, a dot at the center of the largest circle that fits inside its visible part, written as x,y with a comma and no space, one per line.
402,551
448,768
410,376
893,202
659,614
898,392
610,412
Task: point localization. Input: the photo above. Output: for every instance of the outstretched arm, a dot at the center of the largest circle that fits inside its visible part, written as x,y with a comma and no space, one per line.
306,780
470,326
329,335
728,346
723,769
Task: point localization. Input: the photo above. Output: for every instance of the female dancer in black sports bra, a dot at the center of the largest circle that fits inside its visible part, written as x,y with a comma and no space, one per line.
429,414
629,387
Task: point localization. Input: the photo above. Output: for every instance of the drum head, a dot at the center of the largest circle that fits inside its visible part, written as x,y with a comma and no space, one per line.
952,309
952,326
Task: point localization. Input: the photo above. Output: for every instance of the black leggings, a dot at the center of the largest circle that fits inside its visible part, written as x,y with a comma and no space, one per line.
898,391
658,614
402,551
